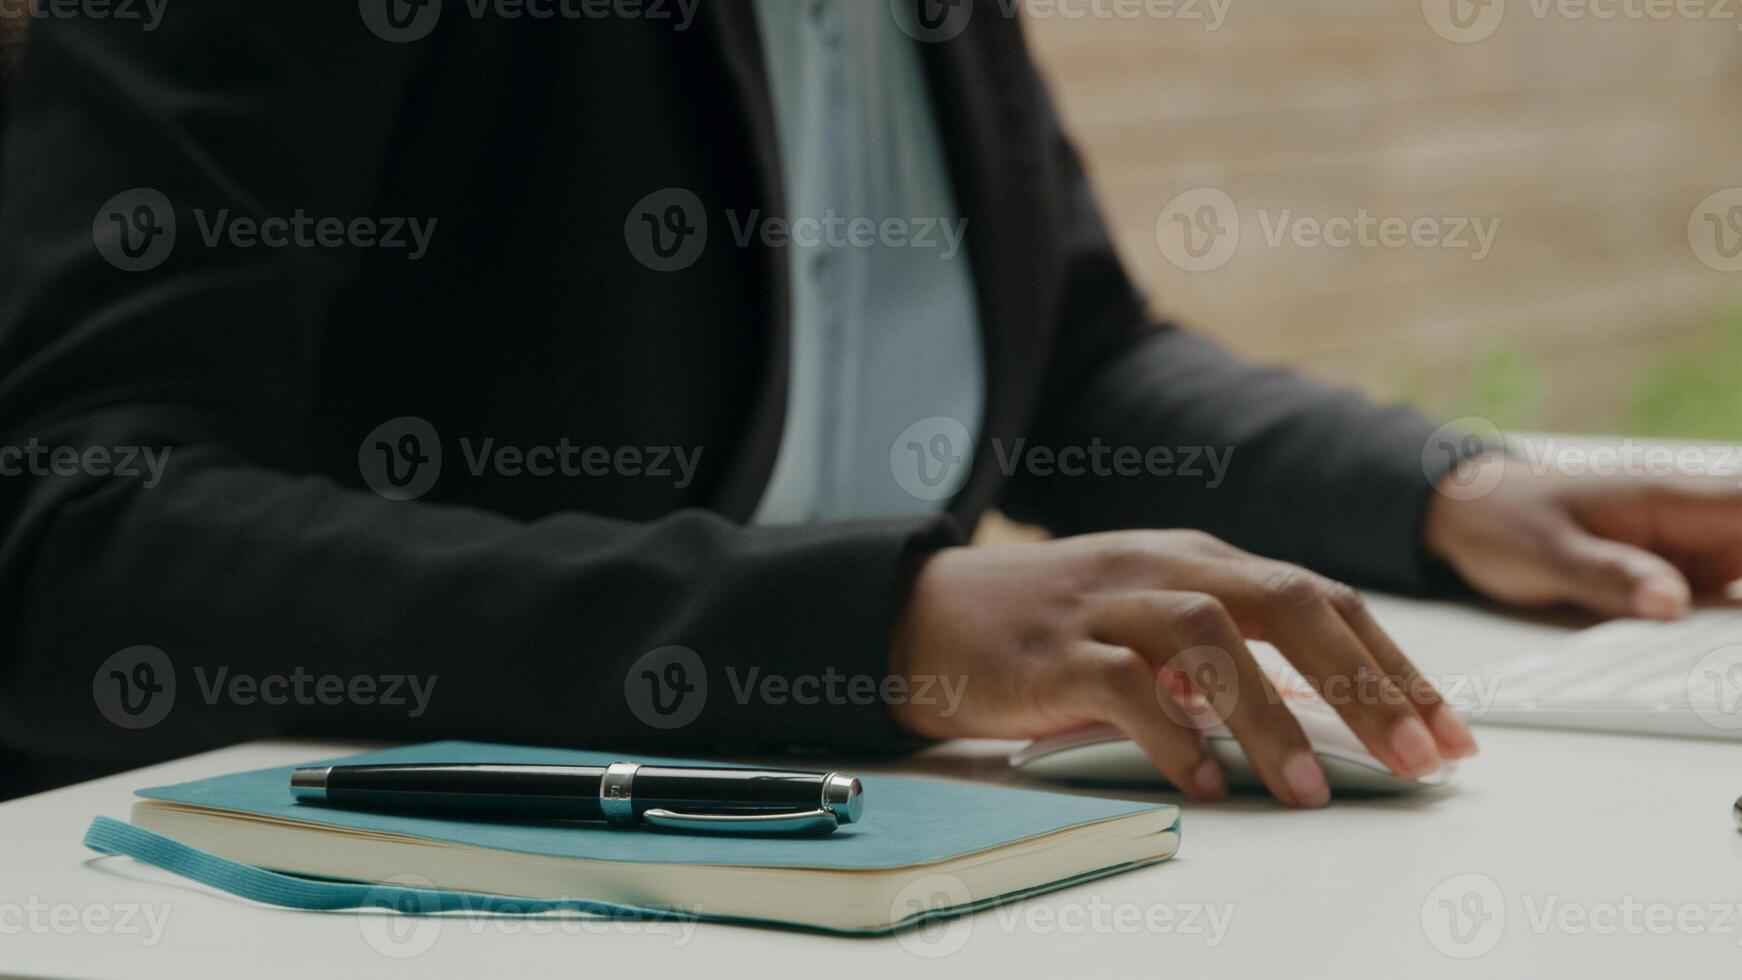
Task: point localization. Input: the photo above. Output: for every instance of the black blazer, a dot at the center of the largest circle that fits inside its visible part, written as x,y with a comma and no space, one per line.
529,320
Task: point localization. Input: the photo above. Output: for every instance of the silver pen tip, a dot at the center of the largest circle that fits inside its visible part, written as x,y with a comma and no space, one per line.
845,796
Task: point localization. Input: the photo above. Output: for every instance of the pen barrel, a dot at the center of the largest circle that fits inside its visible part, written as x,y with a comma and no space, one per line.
726,790
531,792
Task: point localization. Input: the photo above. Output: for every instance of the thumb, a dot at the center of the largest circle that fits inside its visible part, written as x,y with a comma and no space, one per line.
1619,579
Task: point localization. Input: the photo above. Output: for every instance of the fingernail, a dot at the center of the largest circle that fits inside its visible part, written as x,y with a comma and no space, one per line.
1209,782
1453,734
1415,748
1306,781
1660,599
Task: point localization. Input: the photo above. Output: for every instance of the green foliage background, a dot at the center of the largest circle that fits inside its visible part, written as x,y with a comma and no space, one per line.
1691,393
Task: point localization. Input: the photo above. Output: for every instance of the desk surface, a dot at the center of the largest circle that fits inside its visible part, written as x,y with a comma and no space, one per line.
1558,854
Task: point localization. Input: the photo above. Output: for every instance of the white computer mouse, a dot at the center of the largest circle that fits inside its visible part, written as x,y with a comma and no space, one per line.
1103,755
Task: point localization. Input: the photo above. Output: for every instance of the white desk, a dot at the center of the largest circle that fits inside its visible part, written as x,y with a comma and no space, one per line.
1583,845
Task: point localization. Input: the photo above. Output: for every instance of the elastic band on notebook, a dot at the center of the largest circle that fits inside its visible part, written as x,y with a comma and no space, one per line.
110,836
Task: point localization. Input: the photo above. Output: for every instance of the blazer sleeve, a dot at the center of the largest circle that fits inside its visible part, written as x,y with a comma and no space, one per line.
237,560
1313,475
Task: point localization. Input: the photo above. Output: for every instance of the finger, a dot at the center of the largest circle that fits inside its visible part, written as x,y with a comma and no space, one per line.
1450,732
1288,607
1117,685
1694,523
1617,579
1192,634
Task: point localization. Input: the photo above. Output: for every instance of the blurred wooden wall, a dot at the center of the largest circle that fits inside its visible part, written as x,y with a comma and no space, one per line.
1591,141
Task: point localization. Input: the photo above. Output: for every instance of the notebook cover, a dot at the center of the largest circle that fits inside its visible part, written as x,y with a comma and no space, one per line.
906,821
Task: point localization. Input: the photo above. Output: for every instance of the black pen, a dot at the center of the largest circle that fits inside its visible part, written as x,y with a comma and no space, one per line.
741,801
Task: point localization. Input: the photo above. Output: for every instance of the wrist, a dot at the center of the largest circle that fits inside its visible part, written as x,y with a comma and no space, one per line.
1455,496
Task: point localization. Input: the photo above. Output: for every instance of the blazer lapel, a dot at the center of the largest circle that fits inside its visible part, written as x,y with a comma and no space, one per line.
978,82
734,21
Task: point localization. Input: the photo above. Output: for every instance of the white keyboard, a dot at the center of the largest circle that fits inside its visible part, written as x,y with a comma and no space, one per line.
1629,675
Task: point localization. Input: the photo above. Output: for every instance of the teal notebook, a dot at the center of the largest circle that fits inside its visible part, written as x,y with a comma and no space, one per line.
923,849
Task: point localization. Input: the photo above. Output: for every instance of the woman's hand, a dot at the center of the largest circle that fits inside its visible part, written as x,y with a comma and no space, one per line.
1144,630
1620,546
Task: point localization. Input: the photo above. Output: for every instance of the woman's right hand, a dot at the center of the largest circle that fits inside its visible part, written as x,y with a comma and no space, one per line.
1143,630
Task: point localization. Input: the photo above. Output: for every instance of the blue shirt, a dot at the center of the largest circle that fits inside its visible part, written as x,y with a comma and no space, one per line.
886,357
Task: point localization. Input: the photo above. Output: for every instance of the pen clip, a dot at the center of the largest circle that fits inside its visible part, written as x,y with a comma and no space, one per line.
802,822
